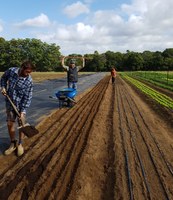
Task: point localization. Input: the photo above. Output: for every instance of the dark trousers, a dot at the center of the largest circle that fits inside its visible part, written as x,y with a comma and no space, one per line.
113,80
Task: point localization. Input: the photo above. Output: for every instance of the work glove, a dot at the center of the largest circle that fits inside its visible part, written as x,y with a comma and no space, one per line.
3,91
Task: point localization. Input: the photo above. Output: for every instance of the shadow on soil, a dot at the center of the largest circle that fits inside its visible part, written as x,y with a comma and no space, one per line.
4,144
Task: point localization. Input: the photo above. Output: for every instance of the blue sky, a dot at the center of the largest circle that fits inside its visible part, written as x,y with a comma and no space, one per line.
90,25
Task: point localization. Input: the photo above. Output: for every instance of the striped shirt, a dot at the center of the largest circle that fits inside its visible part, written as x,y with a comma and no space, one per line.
18,88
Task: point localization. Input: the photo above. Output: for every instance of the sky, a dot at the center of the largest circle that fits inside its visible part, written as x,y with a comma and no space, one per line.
86,26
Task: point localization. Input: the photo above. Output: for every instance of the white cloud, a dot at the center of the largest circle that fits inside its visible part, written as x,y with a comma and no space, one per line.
154,13
77,32
141,25
137,6
107,18
76,9
41,21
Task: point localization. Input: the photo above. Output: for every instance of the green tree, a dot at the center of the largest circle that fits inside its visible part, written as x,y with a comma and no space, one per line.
148,58
157,61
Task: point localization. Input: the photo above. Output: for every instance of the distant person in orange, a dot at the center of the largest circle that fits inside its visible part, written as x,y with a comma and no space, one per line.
113,74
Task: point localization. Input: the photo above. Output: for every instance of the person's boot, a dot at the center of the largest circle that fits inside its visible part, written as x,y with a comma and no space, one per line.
20,150
11,148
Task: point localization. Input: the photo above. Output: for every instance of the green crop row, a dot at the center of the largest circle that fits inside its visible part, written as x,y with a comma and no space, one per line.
157,96
161,79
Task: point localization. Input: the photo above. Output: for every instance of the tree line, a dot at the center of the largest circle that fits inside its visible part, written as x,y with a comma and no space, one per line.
47,57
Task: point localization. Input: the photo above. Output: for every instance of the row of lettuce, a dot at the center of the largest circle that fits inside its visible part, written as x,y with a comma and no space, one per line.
162,79
154,94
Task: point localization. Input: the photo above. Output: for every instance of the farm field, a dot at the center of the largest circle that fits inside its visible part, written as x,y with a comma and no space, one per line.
115,143
41,76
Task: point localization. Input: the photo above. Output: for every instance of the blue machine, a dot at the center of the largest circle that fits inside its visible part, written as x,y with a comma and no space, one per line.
66,92
65,97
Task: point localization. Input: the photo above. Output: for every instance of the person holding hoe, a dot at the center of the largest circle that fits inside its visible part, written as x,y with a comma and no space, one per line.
72,72
17,86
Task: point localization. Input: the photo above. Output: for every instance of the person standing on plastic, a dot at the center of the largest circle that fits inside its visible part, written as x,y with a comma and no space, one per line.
18,85
72,72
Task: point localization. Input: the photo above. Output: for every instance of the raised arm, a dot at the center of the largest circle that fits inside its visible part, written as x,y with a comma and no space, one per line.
62,63
83,64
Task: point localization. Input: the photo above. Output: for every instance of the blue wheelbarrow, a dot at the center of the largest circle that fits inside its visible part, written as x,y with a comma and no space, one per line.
65,97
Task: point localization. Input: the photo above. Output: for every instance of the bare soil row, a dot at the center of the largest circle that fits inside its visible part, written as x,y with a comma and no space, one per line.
110,145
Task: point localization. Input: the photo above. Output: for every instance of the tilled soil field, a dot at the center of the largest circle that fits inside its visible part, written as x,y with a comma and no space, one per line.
110,145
